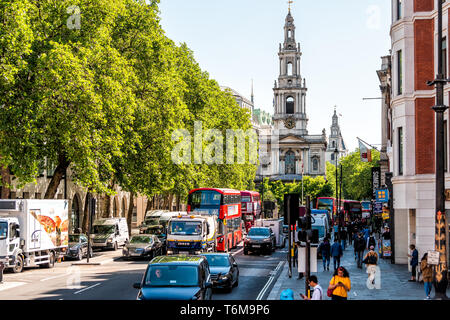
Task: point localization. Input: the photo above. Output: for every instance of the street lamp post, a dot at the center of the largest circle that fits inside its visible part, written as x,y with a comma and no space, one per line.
336,153
441,228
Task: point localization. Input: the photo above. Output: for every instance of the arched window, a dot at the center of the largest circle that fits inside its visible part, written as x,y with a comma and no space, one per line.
116,208
290,162
75,217
289,69
333,144
289,33
315,164
124,206
290,105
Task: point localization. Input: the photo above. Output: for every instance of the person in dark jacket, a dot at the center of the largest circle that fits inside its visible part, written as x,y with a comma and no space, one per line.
325,250
336,253
360,246
343,237
414,262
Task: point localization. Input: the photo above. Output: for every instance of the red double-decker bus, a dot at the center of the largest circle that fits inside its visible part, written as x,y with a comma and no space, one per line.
251,208
225,204
352,210
327,203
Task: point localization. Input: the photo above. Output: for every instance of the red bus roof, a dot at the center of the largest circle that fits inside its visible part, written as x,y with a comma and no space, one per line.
247,193
222,191
326,198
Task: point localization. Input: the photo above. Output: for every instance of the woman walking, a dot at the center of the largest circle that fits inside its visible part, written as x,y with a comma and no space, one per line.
340,284
427,275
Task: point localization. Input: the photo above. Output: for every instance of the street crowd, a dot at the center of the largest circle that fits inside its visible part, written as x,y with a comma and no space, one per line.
365,238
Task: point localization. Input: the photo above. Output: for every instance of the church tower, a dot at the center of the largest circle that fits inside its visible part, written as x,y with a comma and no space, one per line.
335,140
290,91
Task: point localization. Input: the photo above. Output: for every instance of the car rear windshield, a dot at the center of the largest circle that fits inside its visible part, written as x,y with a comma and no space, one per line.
217,260
74,238
259,232
172,276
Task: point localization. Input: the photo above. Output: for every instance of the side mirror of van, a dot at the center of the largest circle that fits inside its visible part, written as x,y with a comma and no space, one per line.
17,233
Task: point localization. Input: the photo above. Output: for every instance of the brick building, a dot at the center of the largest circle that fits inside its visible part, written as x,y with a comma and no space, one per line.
411,123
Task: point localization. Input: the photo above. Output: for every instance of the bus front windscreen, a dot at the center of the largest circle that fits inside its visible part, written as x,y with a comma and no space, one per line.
325,204
205,201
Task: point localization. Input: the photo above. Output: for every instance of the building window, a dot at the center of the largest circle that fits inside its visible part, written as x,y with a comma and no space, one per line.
400,151
289,69
315,164
289,34
399,72
399,9
444,57
332,156
290,162
333,144
290,105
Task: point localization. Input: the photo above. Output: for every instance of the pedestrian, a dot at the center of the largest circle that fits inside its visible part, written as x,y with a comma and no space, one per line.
355,236
325,250
287,294
340,284
427,275
336,229
343,237
371,241
350,230
387,233
317,293
371,261
414,262
336,253
2,267
296,245
360,246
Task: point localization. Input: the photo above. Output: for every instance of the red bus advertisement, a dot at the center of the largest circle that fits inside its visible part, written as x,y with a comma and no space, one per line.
251,208
225,204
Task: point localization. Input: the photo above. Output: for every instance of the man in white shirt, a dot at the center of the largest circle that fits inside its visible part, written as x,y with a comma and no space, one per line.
317,293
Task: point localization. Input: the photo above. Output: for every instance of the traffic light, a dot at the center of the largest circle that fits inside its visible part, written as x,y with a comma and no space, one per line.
302,235
304,222
292,210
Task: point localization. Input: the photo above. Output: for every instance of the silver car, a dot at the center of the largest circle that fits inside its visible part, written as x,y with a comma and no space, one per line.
143,246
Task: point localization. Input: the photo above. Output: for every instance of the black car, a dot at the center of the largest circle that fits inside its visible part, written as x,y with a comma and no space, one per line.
178,277
78,247
260,239
224,270
143,246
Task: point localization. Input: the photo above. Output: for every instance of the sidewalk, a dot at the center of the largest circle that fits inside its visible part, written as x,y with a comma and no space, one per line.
394,281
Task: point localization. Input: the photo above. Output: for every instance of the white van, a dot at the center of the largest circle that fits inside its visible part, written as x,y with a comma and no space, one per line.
320,223
110,233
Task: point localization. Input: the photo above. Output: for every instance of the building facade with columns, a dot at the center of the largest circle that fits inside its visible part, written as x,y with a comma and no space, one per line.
288,150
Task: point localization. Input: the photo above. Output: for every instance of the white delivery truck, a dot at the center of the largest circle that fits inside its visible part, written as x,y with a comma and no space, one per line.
109,233
33,232
277,227
191,234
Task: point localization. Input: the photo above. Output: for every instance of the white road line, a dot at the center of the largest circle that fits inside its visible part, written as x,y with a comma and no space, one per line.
10,285
55,277
80,291
269,282
239,251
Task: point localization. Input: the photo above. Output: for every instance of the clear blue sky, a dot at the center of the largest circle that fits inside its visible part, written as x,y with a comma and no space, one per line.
342,44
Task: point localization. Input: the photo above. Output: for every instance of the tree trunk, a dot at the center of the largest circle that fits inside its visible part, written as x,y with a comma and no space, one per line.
130,211
107,212
6,181
170,202
178,203
60,171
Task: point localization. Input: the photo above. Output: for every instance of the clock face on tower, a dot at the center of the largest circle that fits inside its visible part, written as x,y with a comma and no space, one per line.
289,123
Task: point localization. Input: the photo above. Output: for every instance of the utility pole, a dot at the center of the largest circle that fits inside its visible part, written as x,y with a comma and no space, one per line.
441,227
337,216
308,246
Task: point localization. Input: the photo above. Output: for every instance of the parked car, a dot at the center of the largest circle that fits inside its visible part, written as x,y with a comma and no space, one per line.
143,246
224,270
260,239
178,277
78,247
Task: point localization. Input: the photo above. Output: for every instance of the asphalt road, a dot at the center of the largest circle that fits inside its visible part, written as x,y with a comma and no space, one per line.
114,278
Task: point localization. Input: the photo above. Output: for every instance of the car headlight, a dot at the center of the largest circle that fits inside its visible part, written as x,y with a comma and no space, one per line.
266,240
225,277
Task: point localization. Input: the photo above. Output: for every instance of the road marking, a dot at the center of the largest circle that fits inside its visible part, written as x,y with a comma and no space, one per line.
269,282
239,251
55,277
80,291
10,285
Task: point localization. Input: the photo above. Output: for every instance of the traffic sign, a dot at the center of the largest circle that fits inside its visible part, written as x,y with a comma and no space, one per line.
377,207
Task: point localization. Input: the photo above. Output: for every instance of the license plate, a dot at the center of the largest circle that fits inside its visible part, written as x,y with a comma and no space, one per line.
256,246
138,250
